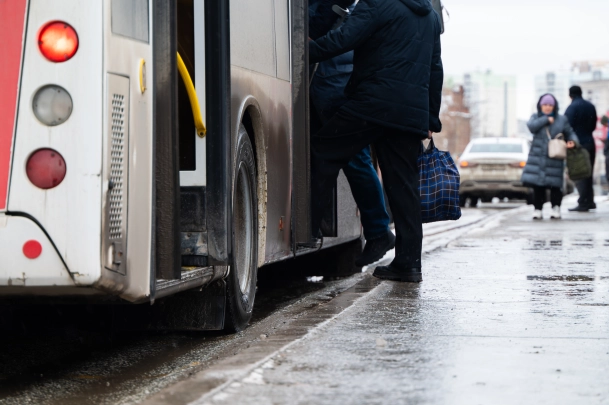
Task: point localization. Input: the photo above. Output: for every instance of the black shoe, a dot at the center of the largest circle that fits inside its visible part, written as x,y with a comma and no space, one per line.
375,249
579,208
412,275
593,206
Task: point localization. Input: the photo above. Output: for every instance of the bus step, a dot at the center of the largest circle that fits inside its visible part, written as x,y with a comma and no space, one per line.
190,261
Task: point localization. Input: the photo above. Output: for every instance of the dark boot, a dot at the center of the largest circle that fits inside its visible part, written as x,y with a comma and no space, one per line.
579,208
412,275
375,249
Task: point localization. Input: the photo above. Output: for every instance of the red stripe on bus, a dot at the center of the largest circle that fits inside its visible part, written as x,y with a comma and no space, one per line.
12,20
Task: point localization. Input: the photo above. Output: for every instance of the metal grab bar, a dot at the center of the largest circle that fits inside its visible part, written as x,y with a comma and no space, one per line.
192,95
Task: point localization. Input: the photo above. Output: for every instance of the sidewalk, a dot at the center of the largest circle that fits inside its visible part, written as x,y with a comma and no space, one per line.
515,313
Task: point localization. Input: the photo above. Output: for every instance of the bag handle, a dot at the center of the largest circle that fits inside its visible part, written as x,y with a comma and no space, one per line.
429,148
559,136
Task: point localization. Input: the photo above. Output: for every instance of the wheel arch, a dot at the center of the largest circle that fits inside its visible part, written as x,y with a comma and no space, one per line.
251,117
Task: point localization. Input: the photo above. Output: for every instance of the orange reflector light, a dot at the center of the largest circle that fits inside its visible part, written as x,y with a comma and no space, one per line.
46,168
32,249
58,41
464,163
518,164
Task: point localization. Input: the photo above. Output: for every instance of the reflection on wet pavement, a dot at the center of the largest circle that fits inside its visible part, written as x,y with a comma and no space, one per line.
511,315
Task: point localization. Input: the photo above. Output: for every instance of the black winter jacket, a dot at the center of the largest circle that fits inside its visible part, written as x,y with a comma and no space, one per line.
582,117
397,67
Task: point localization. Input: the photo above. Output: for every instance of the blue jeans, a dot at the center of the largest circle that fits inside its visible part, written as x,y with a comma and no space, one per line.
368,194
363,180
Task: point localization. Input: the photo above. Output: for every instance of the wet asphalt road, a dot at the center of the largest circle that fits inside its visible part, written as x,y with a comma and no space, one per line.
71,363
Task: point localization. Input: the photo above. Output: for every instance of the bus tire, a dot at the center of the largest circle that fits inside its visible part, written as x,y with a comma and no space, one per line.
242,276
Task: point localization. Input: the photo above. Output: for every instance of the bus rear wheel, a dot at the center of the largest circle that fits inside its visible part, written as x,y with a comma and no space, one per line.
242,277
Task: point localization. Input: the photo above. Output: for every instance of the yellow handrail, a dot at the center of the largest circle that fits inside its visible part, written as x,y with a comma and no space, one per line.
192,95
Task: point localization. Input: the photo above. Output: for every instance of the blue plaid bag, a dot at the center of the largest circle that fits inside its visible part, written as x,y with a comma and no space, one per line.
438,185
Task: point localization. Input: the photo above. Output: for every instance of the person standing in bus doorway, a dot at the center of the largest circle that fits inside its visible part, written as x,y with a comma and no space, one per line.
327,94
582,117
394,96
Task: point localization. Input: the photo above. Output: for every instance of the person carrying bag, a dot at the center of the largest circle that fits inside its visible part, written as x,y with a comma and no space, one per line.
545,168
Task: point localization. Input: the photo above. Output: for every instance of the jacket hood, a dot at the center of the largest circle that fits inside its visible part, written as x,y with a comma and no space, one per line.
420,7
539,104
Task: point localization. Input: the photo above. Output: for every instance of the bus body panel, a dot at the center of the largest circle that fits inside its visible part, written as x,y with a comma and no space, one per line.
16,270
12,18
260,58
70,212
124,56
273,143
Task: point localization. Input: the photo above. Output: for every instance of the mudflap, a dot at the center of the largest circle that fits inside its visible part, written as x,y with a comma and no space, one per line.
199,309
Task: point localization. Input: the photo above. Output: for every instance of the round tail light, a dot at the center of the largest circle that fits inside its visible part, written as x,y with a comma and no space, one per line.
58,41
52,105
46,168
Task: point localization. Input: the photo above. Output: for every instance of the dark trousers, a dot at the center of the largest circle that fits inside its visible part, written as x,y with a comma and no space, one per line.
539,196
364,182
343,137
584,187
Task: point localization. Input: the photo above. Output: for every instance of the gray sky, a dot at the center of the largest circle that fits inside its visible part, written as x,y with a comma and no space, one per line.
523,37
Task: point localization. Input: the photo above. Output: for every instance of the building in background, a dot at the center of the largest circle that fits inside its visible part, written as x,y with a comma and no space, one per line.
456,120
491,100
593,77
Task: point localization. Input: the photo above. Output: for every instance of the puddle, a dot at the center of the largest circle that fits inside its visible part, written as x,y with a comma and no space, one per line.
545,245
561,278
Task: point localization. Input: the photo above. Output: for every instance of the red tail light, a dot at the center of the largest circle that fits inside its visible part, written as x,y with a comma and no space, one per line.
46,168
58,41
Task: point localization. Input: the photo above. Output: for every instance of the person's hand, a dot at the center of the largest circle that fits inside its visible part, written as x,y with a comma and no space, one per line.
551,120
429,135
570,144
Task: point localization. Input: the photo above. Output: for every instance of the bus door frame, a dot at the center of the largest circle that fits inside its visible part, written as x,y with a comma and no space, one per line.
301,159
218,195
218,199
166,248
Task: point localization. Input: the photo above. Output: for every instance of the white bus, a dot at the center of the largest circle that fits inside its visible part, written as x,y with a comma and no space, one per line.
127,171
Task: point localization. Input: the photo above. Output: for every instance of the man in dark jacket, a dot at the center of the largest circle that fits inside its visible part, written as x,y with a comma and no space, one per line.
605,123
582,117
327,96
394,97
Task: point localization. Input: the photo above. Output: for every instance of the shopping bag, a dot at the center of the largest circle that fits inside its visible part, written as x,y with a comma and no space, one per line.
557,147
578,163
438,185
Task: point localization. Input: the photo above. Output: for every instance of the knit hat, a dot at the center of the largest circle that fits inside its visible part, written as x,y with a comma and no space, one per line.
547,100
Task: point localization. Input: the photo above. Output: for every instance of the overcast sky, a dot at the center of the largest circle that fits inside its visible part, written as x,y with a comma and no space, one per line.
523,37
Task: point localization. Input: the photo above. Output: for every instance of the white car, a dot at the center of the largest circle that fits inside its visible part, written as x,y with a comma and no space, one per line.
492,167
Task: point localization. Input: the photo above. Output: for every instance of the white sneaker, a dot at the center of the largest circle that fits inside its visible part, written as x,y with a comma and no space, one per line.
555,212
537,214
